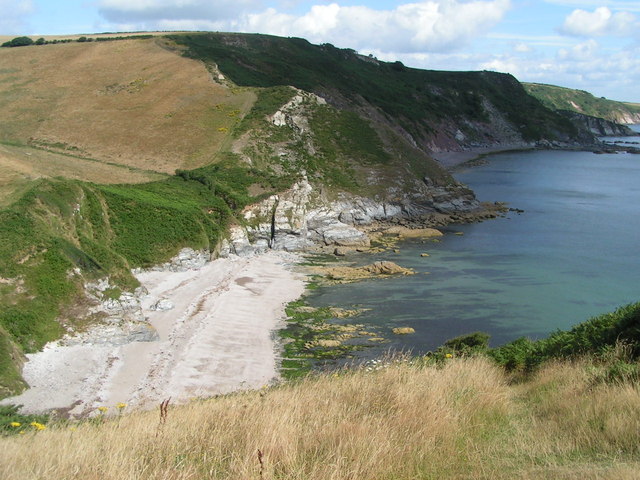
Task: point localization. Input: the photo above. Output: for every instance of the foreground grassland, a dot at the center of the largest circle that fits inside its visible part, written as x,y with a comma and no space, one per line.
573,413
405,420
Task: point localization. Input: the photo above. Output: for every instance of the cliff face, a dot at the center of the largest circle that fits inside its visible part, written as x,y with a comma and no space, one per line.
599,126
325,208
301,218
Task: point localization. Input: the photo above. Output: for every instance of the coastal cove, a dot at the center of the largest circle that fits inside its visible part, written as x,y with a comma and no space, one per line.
566,251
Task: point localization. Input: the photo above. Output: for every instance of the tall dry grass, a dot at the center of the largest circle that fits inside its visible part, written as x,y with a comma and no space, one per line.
405,421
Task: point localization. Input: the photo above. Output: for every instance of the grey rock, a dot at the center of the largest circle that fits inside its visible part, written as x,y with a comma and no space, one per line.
162,305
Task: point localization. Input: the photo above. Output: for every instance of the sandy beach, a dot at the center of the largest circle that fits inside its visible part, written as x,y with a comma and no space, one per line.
218,337
453,159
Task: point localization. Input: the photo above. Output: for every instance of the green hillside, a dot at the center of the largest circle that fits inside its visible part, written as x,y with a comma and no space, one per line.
560,98
420,100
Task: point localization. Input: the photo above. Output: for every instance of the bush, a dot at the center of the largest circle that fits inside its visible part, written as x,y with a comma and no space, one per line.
470,343
18,42
595,336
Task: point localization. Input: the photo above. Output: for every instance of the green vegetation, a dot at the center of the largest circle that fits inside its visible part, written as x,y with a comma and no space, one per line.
560,98
611,339
26,41
268,102
419,99
18,42
12,422
596,337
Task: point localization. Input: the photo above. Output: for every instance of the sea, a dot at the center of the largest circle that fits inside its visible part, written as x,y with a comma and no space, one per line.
567,251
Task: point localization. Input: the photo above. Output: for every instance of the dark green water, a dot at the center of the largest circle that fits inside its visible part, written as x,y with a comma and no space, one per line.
573,253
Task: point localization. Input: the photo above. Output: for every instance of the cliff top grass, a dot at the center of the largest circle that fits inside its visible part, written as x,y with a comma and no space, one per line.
561,98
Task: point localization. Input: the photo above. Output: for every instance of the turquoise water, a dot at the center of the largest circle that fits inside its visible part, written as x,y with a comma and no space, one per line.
572,254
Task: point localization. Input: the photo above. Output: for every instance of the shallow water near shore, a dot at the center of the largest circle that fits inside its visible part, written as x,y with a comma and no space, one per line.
572,254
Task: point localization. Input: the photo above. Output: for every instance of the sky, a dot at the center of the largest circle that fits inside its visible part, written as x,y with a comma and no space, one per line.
592,45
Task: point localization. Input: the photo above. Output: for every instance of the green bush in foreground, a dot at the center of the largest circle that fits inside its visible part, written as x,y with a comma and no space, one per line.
595,336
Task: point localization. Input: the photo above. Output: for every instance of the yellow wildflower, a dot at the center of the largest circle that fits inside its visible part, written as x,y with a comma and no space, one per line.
15,424
103,409
121,405
37,425
448,355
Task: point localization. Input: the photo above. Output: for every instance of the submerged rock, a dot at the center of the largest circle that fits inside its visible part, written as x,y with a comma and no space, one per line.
349,274
403,330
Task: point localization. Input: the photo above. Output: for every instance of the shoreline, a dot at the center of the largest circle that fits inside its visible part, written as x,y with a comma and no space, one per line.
218,337
451,160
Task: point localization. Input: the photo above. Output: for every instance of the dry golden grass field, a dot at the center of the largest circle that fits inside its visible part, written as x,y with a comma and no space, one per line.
136,103
19,166
406,421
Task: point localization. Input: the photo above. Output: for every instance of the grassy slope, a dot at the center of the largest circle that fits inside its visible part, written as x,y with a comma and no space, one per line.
21,165
135,103
408,420
560,98
418,99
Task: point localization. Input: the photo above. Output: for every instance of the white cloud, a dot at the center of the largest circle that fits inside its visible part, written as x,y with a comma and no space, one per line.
584,66
429,25
432,25
627,5
601,21
522,48
580,52
13,16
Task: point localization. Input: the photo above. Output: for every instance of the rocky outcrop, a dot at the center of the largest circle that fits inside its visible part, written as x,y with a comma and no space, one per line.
303,219
599,126
117,316
345,274
187,259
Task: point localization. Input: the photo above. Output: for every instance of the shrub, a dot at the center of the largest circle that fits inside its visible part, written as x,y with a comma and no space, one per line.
594,336
470,343
18,42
